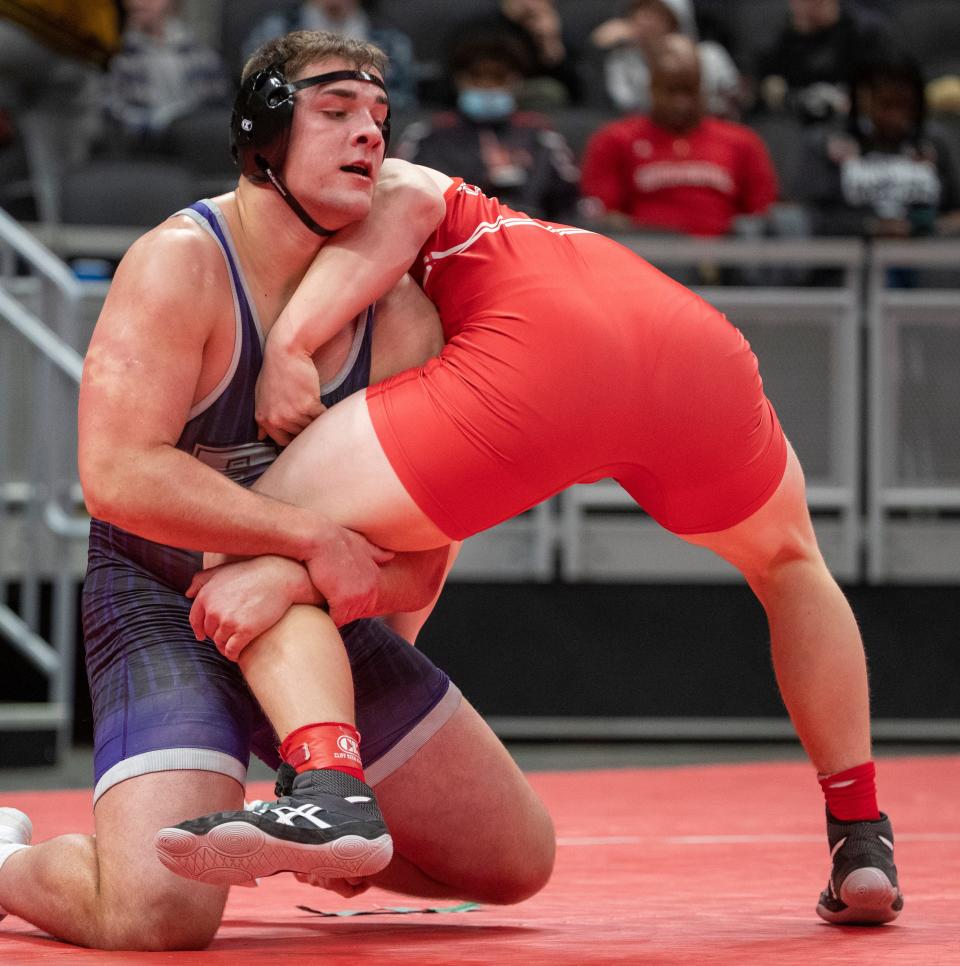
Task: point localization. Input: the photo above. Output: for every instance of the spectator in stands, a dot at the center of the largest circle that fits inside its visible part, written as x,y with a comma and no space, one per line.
162,73
347,18
514,155
884,173
630,42
822,47
676,170
554,78
51,56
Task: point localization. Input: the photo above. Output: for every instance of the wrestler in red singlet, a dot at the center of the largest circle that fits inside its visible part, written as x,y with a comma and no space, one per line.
569,359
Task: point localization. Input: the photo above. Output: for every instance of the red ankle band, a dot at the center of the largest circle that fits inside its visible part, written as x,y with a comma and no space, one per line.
852,794
328,744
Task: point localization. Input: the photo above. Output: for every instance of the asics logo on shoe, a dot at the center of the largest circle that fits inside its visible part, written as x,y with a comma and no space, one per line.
285,814
839,846
886,842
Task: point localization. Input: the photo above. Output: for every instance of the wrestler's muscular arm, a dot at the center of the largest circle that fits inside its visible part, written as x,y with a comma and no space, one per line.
355,268
139,383
236,603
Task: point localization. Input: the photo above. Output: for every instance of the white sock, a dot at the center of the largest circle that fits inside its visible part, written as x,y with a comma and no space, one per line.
6,850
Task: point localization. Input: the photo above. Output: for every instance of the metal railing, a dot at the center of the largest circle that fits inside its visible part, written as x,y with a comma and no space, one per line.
38,392
808,340
914,442
808,343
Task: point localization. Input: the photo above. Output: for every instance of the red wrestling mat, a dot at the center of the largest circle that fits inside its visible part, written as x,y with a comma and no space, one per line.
655,866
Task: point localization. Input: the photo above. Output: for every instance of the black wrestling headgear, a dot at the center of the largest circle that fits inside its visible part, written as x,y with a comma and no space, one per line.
260,126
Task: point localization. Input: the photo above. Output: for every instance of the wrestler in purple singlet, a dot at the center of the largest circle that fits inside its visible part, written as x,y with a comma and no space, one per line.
163,701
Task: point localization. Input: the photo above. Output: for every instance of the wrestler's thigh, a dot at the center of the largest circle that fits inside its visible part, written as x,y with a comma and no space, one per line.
132,878
781,530
461,811
338,466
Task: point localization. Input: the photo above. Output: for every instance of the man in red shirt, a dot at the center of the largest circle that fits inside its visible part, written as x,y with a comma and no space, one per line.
678,170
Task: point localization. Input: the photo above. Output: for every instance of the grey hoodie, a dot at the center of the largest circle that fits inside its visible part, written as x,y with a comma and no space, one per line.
628,77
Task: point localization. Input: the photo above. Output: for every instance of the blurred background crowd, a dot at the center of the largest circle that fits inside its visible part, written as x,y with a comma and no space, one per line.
697,117
771,122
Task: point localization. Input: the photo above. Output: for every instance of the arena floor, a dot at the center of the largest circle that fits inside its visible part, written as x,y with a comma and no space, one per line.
659,862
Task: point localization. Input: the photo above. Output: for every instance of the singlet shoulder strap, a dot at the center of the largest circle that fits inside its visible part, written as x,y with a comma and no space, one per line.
209,217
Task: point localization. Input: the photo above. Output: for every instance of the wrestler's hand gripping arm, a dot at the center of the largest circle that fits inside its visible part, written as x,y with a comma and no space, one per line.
139,383
235,603
355,268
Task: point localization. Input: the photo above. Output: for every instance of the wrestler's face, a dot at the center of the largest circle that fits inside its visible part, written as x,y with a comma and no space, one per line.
336,145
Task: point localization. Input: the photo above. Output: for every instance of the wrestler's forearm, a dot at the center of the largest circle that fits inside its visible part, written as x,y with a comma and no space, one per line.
409,582
362,262
166,495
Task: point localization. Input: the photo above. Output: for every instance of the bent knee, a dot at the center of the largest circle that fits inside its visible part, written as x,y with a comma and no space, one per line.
516,884
522,871
779,533
161,926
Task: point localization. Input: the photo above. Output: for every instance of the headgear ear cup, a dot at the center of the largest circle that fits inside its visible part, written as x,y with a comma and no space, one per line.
260,123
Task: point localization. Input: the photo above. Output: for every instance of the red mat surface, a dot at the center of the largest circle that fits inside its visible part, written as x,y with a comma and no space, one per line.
655,866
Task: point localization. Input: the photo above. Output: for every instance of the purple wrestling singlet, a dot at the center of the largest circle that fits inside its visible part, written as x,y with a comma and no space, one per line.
161,700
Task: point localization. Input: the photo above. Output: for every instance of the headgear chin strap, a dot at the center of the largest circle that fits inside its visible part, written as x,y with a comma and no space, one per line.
260,127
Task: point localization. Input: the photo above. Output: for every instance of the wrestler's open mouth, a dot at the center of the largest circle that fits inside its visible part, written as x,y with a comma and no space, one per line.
361,169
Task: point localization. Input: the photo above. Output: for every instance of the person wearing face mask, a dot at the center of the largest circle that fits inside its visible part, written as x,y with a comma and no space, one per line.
553,76
512,154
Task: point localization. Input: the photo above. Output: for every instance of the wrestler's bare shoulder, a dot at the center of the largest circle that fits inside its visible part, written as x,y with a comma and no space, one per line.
175,263
179,241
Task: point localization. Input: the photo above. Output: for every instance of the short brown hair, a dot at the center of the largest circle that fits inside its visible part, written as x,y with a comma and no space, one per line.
293,51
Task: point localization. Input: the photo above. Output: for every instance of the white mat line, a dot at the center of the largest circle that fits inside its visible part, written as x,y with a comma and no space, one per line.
579,841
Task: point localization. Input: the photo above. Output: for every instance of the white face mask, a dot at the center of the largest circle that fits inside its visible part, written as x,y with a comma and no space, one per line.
486,103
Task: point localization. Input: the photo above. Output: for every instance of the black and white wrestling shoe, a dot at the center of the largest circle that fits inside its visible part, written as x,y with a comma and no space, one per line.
328,826
863,888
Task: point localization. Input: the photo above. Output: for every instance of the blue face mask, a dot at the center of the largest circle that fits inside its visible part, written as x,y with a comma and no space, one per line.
486,104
